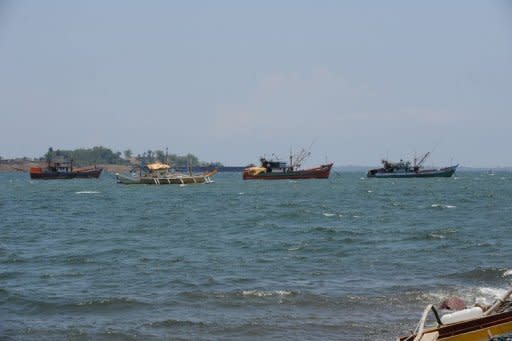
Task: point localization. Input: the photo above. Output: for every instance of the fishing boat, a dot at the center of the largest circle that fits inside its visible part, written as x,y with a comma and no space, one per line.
477,323
404,169
160,174
63,170
280,170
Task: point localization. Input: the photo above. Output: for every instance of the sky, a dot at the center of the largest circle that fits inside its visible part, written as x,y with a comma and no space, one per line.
230,81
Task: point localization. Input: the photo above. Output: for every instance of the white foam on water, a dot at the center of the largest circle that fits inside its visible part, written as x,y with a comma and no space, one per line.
507,273
488,295
480,295
87,192
241,193
182,185
329,214
437,236
442,206
262,293
370,191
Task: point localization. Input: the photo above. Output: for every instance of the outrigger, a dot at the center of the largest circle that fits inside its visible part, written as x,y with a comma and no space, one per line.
159,174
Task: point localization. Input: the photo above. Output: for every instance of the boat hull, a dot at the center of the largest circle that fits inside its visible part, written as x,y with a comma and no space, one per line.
170,180
51,176
89,173
429,173
36,173
321,172
473,330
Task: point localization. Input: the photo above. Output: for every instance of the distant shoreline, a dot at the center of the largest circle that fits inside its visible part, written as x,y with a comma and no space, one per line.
8,166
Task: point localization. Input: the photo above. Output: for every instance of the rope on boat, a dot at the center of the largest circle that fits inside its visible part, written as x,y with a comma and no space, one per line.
420,328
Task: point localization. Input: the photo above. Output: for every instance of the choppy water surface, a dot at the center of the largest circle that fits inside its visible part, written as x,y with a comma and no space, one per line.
348,258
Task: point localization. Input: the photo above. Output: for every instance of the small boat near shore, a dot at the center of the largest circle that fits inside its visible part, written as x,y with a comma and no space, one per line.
280,170
63,170
477,323
404,169
160,174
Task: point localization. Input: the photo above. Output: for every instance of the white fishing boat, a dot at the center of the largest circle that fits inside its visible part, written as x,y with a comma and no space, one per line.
160,174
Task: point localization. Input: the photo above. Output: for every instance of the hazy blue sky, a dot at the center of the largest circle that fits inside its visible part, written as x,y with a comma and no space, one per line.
232,80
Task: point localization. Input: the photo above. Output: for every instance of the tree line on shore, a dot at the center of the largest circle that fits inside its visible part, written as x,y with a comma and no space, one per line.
103,155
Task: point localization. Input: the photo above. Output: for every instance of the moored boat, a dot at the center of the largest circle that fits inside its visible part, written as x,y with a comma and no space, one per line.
280,170
404,169
160,174
477,323
63,170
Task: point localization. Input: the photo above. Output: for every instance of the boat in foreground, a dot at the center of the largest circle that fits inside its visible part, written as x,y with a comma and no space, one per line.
63,170
406,170
478,323
159,174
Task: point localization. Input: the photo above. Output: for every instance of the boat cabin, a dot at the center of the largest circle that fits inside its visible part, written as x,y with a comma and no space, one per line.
274,166
60,166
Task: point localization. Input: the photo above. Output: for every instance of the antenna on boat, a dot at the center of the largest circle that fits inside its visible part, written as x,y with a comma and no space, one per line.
423,159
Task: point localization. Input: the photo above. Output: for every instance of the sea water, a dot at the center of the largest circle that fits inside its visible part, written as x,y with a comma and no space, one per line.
348,258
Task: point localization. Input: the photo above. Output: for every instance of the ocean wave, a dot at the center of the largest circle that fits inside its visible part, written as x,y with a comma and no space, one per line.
238,294
296,248
441,206
78,260
87,192
175,323
480,274
262,293
109,302
329,214
470,295
324,229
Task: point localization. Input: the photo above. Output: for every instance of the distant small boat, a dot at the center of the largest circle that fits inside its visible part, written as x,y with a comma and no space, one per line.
63,170
478,323
160,174
280,170
406,170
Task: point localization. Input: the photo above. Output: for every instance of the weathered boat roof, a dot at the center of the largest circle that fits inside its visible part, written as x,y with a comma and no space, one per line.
157,166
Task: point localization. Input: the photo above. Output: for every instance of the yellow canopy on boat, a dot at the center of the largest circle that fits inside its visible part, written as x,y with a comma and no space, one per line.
255,170
158,166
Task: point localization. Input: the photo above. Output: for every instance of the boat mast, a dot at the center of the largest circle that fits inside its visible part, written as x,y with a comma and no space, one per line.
291,159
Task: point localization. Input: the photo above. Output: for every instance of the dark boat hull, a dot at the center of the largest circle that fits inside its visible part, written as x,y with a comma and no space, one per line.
88,173
37,173
51,176
321,172
431,173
